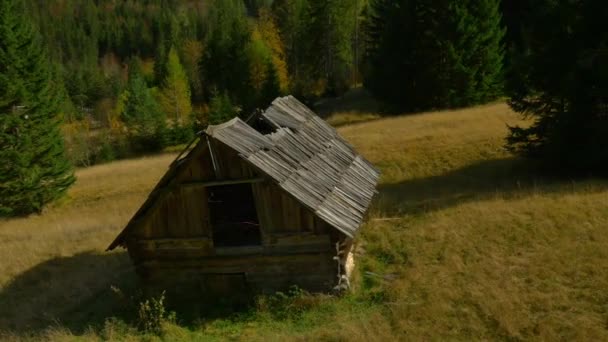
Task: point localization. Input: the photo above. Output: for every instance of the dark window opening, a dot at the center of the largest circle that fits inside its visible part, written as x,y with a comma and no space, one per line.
234,219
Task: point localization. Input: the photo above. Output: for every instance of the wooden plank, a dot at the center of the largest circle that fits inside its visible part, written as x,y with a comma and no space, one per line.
311,263
205,254
195,211
239,251
300,239
308,220
144,229
189,281
177,226
206,184
185,243
175,255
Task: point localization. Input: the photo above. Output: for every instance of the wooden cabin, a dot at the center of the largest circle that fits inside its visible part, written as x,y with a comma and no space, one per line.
265,205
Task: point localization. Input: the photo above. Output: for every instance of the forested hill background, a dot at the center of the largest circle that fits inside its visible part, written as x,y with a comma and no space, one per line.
93,42
232,56
316,48
91,81
228,55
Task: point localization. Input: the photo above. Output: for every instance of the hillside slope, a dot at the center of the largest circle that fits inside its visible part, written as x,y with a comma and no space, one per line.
464,241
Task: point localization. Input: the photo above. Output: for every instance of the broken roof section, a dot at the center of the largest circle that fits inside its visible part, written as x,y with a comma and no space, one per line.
307,158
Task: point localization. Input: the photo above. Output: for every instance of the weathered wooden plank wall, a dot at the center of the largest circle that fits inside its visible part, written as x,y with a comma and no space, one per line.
313,271
175,239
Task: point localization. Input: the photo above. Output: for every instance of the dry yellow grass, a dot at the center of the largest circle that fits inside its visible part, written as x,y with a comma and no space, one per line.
465,242
54,262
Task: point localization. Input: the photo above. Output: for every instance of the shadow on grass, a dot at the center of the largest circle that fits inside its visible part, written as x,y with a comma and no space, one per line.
507,178
74,292
357,100
360,120
82,291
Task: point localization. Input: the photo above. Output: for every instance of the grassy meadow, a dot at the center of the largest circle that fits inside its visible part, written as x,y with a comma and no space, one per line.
464,241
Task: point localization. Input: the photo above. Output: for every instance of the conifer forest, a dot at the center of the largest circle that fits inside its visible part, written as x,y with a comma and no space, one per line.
103,79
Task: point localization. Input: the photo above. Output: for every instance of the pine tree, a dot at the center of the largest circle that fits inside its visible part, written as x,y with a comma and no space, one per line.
330,37
192,53
258,55
561,81
271,88
160,62
175,92
394,72
142,115
225,63
485,58
439,54
291,18
221,109
269,33
34,169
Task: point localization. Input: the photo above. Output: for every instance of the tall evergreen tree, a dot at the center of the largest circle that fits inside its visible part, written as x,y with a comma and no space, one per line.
439,54
473,53
225,63
561,81
191,54
160,63
329,35
34,168
271,88
291,18
269,33
175,92
516,15
143,116
395,38
221,109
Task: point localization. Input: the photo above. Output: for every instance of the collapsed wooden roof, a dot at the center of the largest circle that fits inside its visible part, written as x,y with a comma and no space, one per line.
309,160
304,155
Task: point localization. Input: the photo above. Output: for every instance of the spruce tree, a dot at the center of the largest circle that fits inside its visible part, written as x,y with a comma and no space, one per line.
327,30
392,31
271,88
423,55
160,62
191,54
221,109
142,115
560,79
225,62
291,18
34,169
486,57
269,32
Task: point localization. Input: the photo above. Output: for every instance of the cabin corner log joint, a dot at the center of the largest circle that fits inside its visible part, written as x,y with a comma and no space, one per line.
271,203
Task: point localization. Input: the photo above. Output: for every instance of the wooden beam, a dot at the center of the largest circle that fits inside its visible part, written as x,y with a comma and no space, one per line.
201,243
206,184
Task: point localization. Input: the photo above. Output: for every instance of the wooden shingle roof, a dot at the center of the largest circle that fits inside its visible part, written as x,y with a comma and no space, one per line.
304,155
307,158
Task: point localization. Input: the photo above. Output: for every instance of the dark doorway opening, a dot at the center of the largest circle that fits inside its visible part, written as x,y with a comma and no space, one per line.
234,219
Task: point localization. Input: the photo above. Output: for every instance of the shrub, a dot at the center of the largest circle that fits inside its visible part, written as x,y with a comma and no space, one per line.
152,314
